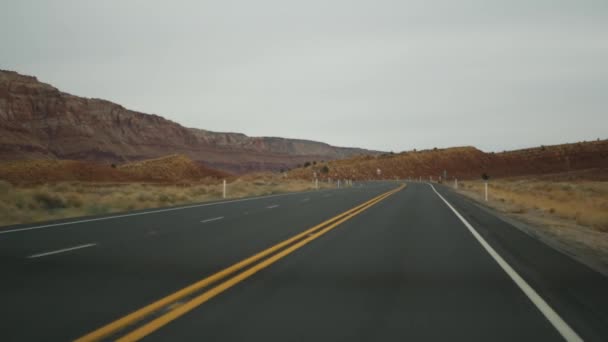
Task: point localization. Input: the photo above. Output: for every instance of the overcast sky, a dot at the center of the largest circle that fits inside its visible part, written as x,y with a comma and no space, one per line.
388,75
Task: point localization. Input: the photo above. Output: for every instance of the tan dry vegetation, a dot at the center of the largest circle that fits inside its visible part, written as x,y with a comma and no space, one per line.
34,203
584,202
573,213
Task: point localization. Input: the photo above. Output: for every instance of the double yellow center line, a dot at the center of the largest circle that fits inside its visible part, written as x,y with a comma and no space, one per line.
271,255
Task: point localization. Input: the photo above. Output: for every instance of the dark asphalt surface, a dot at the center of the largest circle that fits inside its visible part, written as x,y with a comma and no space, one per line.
407,268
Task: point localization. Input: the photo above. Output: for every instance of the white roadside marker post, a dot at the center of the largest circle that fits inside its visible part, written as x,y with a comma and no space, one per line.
224,190
456,183
486,186
317,183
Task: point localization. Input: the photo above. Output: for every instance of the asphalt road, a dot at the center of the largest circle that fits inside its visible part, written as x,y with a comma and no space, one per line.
401,267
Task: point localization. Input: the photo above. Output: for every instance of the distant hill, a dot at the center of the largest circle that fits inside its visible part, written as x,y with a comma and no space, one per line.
171,169
37,121
468,163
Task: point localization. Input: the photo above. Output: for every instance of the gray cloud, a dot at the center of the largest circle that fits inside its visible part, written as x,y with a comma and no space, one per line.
389,75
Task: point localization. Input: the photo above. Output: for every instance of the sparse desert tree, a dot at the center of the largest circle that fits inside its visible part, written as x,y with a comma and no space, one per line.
307,164
325,169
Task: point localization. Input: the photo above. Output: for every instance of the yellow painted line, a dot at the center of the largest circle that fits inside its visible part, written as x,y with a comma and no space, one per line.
163,320
151,308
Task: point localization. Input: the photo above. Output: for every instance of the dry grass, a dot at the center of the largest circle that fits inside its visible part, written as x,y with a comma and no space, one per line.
26,204
571,216
585,202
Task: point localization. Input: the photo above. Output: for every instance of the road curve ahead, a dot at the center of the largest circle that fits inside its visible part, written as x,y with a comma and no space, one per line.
376,262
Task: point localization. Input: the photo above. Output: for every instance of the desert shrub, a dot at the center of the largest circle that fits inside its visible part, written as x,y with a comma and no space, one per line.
145,197
5,187
98,209
164,198
198,191
49,201
61,187
73,200
325,169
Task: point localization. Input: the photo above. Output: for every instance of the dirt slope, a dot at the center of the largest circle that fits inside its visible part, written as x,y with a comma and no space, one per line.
172,169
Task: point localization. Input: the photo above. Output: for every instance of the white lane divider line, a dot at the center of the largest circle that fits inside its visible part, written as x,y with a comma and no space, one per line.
558,323
61,250
272,206
212,219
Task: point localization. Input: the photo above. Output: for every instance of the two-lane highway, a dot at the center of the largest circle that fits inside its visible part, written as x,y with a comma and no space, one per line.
364,263
138,258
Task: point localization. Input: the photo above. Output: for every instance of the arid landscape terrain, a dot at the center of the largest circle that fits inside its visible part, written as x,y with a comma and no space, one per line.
467,163
38,190
304,171
560,192
66,156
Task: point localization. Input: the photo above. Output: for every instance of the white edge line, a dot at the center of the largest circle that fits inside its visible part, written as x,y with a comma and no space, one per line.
61,250
558,323
212,219
272,206
146,212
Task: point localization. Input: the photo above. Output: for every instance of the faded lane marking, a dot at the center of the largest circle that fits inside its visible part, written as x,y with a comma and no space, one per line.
212,219
272,206
61,250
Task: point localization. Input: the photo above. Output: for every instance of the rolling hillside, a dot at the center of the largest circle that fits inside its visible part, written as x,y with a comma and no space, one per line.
467,163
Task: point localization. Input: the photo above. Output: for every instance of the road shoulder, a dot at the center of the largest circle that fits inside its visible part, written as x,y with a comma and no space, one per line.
549,235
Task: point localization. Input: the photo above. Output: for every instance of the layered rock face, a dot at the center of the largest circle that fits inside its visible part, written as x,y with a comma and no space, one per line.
37,121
